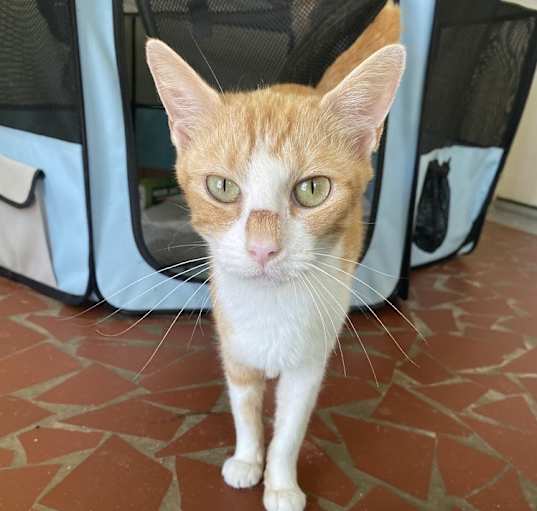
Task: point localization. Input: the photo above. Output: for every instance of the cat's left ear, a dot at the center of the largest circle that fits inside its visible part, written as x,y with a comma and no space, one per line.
360,103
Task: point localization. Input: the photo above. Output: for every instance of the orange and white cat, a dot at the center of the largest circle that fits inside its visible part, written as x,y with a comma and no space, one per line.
274,179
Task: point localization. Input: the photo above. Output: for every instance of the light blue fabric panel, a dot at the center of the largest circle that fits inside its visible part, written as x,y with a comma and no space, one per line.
472,171
65,201
387,246
118,260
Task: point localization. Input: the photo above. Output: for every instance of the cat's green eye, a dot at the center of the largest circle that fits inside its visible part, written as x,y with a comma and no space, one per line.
223,189
312,192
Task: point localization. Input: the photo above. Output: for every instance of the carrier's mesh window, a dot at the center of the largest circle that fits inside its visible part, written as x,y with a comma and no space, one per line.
38,71
247,44
433,208
475,76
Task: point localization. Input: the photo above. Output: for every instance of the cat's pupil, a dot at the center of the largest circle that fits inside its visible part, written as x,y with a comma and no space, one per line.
312,186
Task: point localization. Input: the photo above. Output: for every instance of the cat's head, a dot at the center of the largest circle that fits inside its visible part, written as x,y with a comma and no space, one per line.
275,176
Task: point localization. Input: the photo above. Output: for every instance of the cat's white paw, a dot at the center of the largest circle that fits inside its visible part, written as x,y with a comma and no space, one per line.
289,499
241,474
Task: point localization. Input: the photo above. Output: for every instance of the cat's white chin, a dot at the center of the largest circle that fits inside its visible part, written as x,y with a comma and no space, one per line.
273,273
268,275
264,277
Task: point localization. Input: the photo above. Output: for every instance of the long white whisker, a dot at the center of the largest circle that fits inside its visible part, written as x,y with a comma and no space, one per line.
380,295
150,359
295,293
137,322
370,310
112,314
319,313
369,361
336,333
147,276
198,319
182,245
327,340
358,263
207,62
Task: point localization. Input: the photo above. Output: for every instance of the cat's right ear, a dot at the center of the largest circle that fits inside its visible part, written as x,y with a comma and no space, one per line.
185,96
360,103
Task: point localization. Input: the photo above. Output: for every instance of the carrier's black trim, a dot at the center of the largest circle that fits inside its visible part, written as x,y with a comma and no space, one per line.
61,296
91,287
30,198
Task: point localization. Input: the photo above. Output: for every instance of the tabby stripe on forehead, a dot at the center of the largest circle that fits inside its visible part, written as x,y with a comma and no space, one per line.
263,224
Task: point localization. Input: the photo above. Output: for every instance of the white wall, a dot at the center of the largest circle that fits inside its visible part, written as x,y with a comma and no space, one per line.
519,179
530,4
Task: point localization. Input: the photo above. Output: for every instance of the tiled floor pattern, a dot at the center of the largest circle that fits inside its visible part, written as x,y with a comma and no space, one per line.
459,432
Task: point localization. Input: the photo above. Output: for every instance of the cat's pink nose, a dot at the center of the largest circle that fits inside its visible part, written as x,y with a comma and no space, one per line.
263,251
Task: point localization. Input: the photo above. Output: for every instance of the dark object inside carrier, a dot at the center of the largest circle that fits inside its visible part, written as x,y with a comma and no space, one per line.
237,45
433,208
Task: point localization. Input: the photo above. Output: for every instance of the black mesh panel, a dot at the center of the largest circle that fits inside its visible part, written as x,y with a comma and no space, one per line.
38,68
256,42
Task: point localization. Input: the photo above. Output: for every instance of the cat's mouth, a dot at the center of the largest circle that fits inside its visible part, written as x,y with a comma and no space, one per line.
267,275
274,274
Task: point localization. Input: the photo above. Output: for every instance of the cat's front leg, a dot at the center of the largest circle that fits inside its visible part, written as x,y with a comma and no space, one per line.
246,387
296,395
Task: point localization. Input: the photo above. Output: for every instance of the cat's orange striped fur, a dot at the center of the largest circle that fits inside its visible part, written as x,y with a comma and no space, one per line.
273,177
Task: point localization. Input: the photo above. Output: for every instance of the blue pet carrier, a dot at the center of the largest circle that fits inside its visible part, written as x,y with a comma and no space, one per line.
88,205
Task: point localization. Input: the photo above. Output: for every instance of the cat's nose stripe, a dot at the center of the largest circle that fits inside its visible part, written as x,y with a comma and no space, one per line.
263,235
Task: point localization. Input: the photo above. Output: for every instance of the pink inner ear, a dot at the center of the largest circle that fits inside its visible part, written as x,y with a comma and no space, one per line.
362,100
185,96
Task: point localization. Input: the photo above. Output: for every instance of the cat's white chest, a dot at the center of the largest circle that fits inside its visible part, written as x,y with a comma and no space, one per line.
279,327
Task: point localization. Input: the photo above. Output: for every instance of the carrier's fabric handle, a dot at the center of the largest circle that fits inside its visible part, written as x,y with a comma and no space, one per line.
18,182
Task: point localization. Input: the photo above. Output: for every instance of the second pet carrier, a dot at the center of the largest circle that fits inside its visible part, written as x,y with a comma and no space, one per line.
482,62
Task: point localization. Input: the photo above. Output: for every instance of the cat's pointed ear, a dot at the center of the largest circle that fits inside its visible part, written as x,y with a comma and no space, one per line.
360,103
185,96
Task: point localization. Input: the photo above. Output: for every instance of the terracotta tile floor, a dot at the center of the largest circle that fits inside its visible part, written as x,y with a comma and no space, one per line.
78,433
